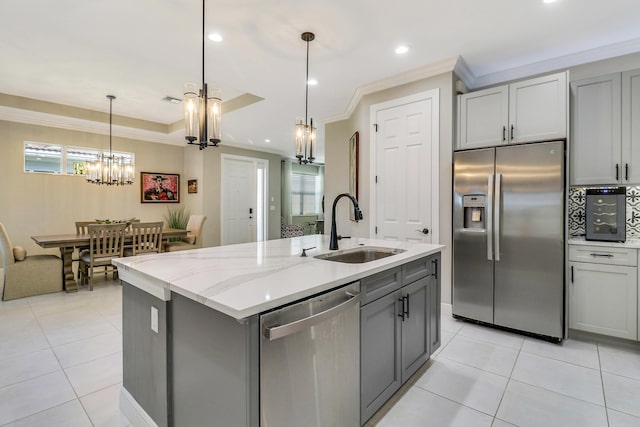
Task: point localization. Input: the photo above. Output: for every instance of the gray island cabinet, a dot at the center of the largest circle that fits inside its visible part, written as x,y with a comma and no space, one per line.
191,334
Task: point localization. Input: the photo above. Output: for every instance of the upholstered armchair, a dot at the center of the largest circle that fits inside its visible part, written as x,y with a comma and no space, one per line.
193,239
24,275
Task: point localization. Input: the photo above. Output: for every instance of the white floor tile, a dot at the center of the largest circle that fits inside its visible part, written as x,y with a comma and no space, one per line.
564,378
622,394
481,355
419,408
493,336
621,362
28,366
89,349
525,405
103,407
449,324
20,333
96,375
29,397
68,326
445,338
571,351
499,423
468,386
618,419
70,414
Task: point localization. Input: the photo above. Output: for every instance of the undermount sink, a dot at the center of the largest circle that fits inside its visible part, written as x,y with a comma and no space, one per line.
360,255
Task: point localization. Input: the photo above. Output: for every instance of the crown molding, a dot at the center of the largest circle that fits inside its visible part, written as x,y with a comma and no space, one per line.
558,63
444,66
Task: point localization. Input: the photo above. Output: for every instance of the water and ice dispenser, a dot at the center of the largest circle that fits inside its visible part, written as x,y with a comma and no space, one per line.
474,211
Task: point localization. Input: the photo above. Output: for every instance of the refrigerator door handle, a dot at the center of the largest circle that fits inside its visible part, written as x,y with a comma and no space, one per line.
490,218
496,229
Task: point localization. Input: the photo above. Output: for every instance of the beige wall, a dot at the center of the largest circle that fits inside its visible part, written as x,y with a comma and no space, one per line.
337,135
34,203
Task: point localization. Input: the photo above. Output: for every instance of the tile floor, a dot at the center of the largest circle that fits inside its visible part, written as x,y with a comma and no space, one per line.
61,358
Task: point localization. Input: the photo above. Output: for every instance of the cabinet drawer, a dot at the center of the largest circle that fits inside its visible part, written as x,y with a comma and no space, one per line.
379,285
603,255
417,269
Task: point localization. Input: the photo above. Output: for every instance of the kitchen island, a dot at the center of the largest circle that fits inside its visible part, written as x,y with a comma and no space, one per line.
191,319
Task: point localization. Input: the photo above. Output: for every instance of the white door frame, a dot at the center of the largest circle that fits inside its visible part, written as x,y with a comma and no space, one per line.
434,95
264,191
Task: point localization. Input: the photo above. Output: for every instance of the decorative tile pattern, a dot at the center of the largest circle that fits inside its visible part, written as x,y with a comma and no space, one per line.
577,198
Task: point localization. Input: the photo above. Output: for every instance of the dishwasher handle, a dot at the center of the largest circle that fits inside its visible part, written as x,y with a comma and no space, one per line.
280,331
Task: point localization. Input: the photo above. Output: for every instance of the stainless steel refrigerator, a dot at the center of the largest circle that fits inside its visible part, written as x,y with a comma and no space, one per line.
508,243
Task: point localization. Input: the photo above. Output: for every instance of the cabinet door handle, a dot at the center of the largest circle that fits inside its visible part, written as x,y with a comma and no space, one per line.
435,268
572,274
511,132
402,310
626,171
617,172
504,133
595,255
406,312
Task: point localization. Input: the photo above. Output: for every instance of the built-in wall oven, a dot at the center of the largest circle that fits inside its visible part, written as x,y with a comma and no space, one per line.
606,214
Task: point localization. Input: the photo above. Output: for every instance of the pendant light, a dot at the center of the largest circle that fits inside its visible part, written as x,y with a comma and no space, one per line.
110,169
202,109
305,132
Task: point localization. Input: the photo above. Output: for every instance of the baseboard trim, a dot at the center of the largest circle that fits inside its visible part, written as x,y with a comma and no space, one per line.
133,411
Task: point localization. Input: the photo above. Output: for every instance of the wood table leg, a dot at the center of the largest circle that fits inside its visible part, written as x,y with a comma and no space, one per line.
70,284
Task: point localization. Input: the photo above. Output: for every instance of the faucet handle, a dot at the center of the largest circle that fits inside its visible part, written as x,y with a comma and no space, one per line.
304,251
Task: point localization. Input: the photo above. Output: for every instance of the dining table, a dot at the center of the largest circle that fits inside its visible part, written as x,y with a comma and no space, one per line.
67,243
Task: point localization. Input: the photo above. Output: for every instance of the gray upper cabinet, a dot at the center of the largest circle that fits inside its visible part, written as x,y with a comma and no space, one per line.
525,111
605,146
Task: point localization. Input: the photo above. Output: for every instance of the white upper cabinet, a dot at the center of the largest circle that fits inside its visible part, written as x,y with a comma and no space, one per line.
595,132
605,135
484,117
526,111
630,161
538,109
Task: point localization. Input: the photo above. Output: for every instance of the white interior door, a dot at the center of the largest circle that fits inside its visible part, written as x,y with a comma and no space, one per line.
243,213
406,168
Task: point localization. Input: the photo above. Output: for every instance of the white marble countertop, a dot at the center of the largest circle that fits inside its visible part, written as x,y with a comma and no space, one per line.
247,279
629,243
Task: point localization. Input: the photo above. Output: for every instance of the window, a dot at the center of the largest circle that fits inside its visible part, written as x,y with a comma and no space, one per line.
306,191
41,157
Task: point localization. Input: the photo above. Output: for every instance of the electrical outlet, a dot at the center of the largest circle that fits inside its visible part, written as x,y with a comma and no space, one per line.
154,319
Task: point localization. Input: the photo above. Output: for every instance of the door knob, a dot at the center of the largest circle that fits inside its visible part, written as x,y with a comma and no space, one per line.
424,231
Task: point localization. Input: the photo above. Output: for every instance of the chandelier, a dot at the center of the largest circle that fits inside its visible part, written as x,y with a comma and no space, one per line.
111,169
305,132
202,110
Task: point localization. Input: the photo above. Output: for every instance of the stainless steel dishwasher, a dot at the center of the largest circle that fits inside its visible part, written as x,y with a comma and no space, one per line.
310,362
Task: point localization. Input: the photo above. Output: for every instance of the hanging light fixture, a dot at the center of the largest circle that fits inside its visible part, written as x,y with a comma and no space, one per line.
110,169
305,132
202,109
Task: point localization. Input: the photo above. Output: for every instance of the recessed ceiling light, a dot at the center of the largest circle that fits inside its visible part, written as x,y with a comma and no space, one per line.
215,37
549,1
402,49
312,82
267,140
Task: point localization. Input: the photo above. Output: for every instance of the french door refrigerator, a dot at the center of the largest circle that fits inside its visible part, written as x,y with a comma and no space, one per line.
508,243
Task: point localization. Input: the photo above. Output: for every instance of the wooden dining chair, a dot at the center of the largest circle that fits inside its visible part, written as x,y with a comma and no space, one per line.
147,238
106,242
82,229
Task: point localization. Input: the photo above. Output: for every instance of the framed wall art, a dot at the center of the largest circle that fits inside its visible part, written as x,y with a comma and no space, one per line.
159,187
353,167
192,186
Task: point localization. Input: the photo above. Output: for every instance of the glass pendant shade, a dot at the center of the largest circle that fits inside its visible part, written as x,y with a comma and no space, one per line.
191,106
214,112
